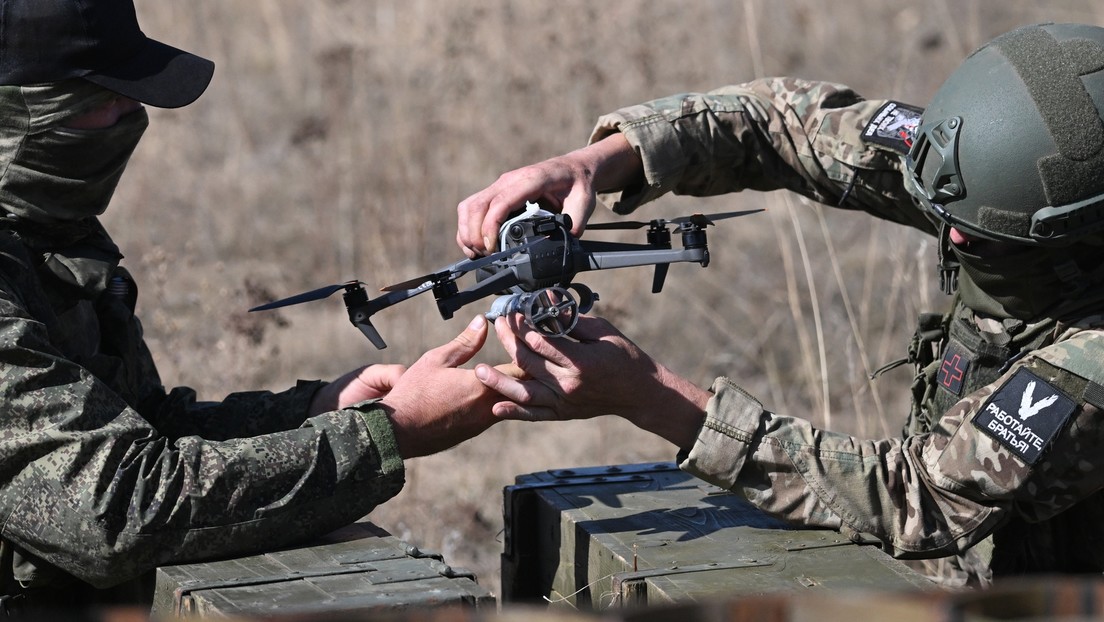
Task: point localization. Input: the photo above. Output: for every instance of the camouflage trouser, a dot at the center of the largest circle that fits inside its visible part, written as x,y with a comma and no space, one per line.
970,570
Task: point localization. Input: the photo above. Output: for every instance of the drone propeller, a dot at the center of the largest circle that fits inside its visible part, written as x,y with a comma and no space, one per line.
314,294
700,220
459,268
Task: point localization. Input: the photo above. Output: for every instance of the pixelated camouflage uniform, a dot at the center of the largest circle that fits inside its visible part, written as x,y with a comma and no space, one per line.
106,474
947,492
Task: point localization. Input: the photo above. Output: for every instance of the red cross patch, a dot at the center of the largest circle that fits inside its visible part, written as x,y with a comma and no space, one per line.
952,371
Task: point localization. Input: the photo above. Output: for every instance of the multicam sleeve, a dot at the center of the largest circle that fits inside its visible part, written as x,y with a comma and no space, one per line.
781,133
1023,446
93,488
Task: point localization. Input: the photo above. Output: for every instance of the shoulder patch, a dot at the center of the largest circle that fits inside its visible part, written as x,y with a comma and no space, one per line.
1024,415
893,126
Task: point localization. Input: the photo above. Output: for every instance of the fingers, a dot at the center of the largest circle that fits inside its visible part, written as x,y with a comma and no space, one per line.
509,340
381,378
556,352
509,387
462,347
462,242
480,215
470,214
528,399
579,204
514,335
510,410
512,371
498,210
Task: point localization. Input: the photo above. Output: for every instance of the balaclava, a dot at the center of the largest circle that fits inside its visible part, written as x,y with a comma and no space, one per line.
55,181
51,174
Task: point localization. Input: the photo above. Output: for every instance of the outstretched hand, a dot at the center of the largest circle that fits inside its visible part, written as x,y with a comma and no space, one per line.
366,383
597,372
435,404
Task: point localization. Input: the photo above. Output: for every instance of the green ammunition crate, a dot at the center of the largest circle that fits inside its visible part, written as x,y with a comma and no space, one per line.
357,569
646,534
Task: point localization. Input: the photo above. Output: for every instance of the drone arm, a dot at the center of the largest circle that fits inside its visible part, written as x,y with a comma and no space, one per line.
500,281
644,257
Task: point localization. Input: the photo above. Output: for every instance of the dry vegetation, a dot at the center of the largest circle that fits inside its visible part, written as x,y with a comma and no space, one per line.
339,135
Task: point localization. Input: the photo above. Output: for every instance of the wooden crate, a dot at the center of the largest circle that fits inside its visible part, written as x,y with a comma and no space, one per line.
358,569
647,534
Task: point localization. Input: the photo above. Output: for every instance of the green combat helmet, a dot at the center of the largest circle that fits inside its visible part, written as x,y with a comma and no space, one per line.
1011,149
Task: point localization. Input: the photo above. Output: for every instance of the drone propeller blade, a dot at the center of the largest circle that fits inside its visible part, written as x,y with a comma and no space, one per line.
409,284
461,267
621,224
708,219
659,277
314,294
698,219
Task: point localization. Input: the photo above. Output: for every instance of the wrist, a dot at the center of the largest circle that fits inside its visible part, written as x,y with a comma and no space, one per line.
612,163
676,412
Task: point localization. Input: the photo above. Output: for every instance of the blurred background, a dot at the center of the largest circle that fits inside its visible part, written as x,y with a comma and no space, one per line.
338,136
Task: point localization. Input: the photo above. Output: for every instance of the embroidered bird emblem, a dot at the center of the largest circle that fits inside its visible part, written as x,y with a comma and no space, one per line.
1028,407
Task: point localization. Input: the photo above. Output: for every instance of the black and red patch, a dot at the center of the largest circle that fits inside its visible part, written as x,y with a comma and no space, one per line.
893,126
952,371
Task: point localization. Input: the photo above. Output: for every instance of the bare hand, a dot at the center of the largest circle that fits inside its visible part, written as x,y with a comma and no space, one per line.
559,185
366,383
435,405
599,372
564,184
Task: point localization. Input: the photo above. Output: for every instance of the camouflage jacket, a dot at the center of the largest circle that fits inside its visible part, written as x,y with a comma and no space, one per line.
1005,476
106,474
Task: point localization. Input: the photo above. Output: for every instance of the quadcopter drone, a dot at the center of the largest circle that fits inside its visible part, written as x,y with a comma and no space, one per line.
532,272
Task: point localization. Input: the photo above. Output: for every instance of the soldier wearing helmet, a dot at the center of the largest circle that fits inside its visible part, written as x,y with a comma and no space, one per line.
999,471
106,473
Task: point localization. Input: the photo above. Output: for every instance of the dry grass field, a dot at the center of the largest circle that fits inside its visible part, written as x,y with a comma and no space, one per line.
339,135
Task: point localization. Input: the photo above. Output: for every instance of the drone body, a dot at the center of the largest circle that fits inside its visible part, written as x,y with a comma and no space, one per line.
533,272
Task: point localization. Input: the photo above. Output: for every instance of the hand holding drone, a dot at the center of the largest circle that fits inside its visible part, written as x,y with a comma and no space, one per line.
533,271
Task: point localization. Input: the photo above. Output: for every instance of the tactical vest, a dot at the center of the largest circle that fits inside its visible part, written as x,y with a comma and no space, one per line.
956,354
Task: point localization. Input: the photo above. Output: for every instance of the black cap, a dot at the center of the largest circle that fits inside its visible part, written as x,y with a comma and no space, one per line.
98,40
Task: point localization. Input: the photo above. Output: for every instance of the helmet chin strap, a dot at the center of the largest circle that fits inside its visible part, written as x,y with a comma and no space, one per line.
948,263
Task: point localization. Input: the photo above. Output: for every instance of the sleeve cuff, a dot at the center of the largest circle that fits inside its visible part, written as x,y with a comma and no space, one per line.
383,435
655,140
732,418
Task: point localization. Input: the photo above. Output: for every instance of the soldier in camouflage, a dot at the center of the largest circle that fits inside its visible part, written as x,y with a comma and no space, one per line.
106,474
999,471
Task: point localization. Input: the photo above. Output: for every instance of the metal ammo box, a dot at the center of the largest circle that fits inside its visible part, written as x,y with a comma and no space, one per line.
359,568
646,534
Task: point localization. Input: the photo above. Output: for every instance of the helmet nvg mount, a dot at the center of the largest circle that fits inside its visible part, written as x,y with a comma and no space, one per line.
1011,147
